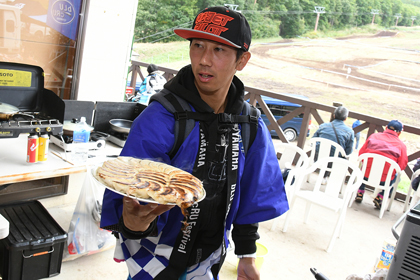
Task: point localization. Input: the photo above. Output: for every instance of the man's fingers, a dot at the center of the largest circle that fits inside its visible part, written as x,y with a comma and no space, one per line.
160,209
133,206
138,217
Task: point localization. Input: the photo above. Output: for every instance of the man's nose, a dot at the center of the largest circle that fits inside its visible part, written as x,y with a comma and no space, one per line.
206,58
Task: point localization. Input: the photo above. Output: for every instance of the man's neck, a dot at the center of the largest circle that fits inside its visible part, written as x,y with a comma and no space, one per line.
216,102
393,132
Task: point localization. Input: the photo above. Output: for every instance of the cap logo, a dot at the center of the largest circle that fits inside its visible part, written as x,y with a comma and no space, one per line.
212,22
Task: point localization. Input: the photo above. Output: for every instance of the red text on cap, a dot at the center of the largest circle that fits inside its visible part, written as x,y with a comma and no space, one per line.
213,17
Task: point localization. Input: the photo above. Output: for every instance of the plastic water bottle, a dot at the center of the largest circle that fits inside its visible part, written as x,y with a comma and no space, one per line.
81,135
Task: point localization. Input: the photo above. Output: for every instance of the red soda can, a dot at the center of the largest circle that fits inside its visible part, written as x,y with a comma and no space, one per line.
32,155
44,141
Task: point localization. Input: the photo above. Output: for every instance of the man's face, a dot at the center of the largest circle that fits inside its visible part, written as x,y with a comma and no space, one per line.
213,65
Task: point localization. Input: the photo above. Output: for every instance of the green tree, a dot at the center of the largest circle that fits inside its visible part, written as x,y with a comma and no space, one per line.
409,11
336,9
397,8
364,8
262,26
274,9
292,24
324,18
277,7
348,15
308,7
202,4
155,19
387,17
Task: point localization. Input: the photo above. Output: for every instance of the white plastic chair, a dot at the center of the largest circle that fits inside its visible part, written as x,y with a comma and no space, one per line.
329,197
410,189
288,153
324,149
375,175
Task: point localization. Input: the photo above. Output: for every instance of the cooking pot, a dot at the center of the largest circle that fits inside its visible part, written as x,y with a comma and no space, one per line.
70,126
8,112
120,125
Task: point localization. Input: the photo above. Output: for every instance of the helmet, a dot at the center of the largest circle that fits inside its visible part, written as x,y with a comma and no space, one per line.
151,68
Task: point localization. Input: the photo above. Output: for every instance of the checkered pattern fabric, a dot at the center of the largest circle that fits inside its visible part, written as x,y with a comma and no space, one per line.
141,264
144,266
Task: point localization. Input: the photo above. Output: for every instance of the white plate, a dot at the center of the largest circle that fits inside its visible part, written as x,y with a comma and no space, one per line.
147,200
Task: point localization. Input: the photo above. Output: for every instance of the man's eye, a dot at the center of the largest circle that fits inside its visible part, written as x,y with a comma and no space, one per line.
219,49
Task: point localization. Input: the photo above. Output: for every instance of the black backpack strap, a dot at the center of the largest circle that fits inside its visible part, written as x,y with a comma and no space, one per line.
250,127
180,108
185,119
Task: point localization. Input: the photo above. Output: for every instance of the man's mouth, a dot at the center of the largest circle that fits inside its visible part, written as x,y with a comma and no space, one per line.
205,77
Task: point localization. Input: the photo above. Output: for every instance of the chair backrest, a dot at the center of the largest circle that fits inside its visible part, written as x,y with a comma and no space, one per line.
339,170
414,180
324,148
289,152
378,164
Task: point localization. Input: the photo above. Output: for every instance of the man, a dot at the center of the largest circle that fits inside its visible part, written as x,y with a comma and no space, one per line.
337,130
386,144
241,192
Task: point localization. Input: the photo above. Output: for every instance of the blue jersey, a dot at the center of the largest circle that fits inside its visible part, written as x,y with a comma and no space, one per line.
259,194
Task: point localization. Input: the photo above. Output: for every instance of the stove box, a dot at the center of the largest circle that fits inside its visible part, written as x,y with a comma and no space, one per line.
29,95
22,86
34,247
106,111
75,109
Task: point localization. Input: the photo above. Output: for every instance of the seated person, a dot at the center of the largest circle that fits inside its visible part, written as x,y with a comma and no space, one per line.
386,144
152,84
338,131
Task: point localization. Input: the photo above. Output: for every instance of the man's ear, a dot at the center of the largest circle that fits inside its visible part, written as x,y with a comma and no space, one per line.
243,61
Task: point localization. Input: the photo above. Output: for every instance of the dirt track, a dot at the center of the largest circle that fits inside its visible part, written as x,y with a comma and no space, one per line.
384,80
365,55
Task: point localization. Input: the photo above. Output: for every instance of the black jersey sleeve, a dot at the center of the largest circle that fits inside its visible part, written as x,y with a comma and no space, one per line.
244,237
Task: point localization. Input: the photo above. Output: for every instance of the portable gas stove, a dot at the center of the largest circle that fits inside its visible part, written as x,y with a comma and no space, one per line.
38,110
106,112
117,138
13,128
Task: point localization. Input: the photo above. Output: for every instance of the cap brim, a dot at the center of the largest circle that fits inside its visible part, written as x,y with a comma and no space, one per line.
188,33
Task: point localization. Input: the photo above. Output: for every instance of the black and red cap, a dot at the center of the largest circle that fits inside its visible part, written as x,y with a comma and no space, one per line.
219,24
